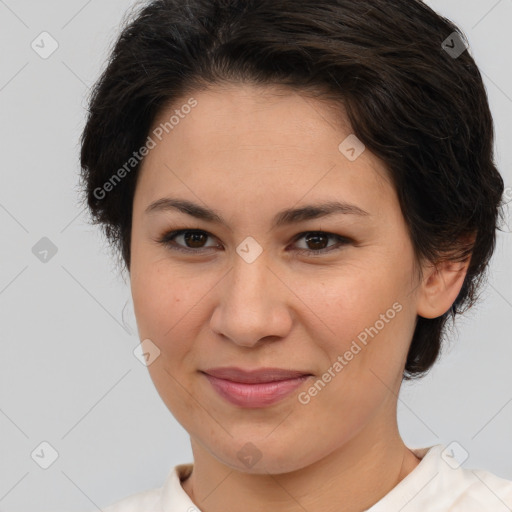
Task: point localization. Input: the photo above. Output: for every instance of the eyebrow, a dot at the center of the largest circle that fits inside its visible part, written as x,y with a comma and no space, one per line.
282,218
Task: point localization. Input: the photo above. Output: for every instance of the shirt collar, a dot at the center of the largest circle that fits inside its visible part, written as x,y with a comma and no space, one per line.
174,496
176,499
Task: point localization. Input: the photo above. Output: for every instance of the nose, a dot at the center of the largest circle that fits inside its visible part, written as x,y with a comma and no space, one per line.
253,304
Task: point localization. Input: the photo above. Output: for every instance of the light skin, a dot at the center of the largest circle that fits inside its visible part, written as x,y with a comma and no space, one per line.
249,152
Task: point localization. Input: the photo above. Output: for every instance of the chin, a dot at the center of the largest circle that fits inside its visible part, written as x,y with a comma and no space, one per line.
263,457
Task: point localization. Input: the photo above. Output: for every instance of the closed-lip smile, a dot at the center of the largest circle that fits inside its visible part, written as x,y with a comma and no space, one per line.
254,388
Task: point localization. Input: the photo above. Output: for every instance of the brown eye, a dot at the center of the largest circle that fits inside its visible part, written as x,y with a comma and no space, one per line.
316,242
193,240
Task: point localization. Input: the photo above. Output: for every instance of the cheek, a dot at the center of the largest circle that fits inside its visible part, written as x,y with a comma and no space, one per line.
347,300
169,308
158,299
364,316
163,306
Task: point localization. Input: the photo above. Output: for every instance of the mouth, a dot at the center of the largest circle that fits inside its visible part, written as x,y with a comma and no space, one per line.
254,388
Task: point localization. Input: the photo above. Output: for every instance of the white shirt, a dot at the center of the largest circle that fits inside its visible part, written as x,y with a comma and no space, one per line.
436,484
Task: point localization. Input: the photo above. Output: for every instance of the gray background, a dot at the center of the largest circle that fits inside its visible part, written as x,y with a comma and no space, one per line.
68,375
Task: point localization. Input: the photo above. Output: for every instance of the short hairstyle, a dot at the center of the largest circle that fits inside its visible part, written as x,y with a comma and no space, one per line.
420,108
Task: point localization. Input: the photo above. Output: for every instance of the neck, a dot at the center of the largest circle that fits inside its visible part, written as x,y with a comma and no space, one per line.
352,477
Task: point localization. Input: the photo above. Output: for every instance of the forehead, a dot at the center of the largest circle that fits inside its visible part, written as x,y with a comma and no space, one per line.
252,145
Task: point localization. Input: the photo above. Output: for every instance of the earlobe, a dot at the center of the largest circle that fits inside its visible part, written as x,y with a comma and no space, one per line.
440,287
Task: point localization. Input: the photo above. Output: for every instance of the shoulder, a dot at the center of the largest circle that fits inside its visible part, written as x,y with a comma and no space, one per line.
453,488
170,496
146,501
478,490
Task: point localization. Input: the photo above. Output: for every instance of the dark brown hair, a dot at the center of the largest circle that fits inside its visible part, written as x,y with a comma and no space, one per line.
421,108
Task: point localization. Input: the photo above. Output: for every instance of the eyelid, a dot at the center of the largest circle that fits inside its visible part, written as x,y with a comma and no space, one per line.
341,241
167,239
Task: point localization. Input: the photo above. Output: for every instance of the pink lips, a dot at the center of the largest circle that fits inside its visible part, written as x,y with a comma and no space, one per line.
255,388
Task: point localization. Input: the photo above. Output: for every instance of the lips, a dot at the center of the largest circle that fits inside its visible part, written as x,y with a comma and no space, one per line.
255,376
254,388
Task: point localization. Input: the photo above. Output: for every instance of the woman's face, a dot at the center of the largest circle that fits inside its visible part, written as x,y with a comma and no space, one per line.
245,296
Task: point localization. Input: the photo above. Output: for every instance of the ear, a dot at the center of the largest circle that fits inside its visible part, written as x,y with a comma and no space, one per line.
440,286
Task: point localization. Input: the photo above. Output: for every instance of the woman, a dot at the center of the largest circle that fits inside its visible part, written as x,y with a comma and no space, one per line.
303,193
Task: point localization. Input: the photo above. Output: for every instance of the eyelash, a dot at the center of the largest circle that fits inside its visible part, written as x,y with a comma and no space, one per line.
168,241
